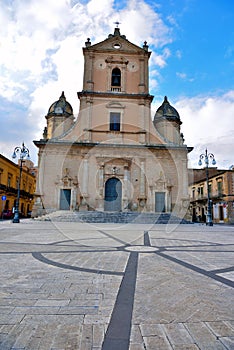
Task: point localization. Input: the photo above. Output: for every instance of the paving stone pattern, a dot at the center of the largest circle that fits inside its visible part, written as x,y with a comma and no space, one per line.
71,285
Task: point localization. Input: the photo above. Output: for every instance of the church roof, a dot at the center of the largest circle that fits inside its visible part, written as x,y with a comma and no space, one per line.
61,106
117,41
167,111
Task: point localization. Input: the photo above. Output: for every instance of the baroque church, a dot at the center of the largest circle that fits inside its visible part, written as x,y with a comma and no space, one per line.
113,157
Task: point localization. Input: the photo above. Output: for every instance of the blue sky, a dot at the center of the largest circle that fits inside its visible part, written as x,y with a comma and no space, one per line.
192,62
204,37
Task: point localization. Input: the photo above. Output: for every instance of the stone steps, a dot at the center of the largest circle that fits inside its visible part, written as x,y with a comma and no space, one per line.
113,217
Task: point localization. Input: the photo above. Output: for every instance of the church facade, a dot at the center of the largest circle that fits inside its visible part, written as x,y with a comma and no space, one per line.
113,157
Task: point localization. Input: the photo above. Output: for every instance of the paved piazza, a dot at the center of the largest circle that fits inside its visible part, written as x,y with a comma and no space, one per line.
81,286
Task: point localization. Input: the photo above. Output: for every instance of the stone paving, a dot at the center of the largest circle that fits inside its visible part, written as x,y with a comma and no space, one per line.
67,285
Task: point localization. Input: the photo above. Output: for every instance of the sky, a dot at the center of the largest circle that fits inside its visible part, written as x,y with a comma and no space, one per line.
192,63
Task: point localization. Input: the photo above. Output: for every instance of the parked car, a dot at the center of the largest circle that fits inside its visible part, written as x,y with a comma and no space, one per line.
7,214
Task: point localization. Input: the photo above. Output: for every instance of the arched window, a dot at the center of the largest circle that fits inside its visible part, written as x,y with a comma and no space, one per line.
116,77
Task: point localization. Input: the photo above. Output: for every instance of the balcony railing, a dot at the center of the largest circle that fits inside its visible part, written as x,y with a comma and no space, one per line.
116,89
213,195
13,191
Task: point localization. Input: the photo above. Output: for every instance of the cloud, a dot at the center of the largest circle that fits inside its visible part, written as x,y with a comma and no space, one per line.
134,18
179,54
41,56
100,7
181,75
229,52
42,41
161,60
207,123
41,53
184,76
27,36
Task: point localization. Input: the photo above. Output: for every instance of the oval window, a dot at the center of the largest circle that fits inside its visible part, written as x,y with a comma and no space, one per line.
117,46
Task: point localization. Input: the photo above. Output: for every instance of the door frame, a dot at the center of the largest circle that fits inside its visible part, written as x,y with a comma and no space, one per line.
155,203
60,197
119,194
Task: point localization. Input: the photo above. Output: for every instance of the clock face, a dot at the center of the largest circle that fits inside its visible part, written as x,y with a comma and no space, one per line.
100,64
58,110
133,66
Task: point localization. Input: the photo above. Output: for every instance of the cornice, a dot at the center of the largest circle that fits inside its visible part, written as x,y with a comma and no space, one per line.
111,145
110,94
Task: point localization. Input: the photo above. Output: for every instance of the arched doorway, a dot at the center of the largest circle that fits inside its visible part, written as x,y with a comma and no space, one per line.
113,195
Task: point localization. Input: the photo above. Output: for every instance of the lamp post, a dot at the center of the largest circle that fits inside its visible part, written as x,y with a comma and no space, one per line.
206,156
23,153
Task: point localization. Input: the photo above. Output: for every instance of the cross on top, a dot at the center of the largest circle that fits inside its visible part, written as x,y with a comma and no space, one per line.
117,24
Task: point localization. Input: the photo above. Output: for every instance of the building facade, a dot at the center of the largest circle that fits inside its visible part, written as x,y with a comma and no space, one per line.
113,157
221,193
9,178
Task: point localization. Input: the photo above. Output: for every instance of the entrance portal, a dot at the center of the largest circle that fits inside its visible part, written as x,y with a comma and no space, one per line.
160,202
221,216
65,199
113,195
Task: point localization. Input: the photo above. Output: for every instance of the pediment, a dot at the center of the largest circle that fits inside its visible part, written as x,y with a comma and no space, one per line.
114,104
116,44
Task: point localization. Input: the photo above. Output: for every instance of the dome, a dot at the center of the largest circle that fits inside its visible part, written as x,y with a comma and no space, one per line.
61,107
167,111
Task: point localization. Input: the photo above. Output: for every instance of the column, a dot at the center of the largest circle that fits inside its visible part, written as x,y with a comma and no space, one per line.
185,178
168,203
123,78
141,137
90,84
101,180
73,199
85,177
86,120
142,180
126,192
89,121
142,77
109,77
126,180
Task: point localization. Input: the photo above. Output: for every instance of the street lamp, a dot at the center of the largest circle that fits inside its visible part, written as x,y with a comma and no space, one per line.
206,158
23,153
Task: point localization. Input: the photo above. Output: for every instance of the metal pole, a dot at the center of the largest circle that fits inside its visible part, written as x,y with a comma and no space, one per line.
209,215
2,209
206,157
16,218
23,153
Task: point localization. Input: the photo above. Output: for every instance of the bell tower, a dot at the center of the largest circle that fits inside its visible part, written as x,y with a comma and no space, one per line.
167,122
115,96
59,118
